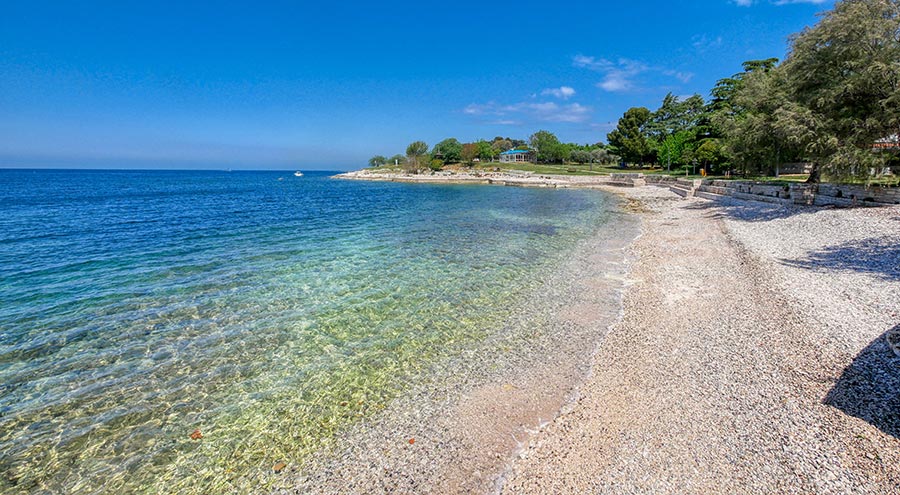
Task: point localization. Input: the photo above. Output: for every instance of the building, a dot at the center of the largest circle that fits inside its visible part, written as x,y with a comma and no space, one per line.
891,143
514,156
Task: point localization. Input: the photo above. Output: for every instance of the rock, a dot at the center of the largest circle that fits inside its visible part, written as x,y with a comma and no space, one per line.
893,339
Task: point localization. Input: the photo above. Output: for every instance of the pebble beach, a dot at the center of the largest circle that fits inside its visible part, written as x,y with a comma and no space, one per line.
752,358
750,355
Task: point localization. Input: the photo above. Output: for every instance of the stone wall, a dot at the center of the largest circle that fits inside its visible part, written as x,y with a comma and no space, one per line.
627,179
795,193
851,195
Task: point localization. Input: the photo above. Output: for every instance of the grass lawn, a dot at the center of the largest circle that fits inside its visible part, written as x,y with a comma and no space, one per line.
544,168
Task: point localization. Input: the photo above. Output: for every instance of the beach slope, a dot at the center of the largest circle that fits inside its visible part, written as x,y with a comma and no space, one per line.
751,358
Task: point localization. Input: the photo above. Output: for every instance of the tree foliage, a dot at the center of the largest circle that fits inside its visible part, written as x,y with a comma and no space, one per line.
630,137
469,153
843,78
416,156
548,147
377,161
448,150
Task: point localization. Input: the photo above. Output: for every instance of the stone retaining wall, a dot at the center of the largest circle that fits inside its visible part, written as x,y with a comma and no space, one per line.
804,194
627,179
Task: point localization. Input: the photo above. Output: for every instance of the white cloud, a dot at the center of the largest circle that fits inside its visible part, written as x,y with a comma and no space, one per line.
703,43
620,75
747,3
506,122
516,113
562,92
684,77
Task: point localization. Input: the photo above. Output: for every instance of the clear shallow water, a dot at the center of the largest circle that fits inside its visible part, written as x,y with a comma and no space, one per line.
136,307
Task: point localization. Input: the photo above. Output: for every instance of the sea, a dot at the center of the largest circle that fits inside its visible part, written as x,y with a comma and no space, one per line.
186,331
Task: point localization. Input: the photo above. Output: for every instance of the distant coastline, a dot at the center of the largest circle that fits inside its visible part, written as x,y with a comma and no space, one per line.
506,178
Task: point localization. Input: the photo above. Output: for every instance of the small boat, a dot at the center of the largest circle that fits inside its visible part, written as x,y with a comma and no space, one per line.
298,174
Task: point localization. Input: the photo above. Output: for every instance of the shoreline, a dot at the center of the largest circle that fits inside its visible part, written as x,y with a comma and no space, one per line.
524,179
741,358
470,422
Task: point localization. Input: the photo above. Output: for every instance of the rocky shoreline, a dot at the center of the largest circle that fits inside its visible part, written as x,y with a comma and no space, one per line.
523,179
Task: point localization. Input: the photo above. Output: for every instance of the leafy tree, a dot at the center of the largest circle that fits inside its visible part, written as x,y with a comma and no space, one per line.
449,150
486,151
548,147
580,156
755,140
742,112
415,154
844,81
674,147
397,159
629,139
469,153
710,154
603,156
676,117
500,145
377,161
722,104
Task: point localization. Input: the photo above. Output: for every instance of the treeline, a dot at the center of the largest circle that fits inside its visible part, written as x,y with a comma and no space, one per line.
834,103
546,147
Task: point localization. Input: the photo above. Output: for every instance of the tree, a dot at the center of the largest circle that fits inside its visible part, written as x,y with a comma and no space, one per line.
603,156
673,148
397,159
377,161
548,147
486,151
709,153
448,150
722,104
469,153
499,145
580,156
742,113
628,139
414,154
758,139
676,117
844,82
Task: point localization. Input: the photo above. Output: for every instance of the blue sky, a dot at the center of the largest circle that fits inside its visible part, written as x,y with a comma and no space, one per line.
283,85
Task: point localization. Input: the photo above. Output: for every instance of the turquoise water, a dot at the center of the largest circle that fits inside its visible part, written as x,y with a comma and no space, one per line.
266,311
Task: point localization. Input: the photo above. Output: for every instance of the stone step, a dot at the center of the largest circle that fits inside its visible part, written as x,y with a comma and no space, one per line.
715,190
684,193
681,186
708,195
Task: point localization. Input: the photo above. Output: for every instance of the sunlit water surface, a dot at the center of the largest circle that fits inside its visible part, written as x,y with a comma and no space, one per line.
264,310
